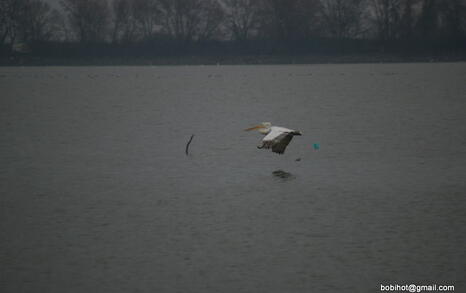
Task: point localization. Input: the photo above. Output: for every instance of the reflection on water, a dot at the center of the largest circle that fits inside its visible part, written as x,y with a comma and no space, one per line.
283,174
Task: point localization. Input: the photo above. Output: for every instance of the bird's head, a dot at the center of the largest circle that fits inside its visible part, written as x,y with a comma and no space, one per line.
264,127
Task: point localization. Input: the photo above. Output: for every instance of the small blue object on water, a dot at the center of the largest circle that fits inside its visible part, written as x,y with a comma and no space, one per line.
316,146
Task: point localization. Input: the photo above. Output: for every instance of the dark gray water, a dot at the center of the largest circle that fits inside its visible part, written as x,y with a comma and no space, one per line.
97,194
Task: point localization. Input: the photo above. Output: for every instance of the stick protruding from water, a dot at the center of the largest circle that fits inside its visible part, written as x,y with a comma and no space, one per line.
187,145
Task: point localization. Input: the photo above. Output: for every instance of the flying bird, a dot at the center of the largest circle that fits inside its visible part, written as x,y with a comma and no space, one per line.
276,137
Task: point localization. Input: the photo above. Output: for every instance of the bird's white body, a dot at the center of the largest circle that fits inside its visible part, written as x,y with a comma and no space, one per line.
276,137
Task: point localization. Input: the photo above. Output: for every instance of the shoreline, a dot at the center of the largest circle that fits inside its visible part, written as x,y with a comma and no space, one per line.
24,60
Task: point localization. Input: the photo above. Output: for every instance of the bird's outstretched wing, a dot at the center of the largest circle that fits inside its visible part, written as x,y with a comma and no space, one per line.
278,139
281,143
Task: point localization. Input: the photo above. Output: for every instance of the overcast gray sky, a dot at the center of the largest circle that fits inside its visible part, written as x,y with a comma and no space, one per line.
54,3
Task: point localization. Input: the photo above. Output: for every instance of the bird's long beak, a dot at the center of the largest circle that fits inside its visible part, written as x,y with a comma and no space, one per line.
255,127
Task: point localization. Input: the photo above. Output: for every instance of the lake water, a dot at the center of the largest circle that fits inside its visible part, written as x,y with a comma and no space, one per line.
97,194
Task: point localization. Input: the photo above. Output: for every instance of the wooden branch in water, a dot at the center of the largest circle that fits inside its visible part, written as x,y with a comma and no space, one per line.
187,145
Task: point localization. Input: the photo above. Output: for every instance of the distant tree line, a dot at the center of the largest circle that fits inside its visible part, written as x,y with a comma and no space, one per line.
158,27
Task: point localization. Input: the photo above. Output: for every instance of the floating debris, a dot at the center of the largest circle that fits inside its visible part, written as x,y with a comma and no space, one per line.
187,145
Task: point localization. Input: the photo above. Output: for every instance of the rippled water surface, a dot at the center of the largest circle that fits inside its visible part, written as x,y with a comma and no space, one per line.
97,194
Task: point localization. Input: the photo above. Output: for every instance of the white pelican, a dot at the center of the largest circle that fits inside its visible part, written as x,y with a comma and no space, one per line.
276,137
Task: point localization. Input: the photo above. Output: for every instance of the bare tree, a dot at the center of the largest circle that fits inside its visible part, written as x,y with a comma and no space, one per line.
307,16
60,26
342,18
37,21
277,19
242,17
453,18
9,16
180,18
4,21
88,18
145,13
212,16
124,24
387,17
407,19
441,19
428,21
188,20
287,19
